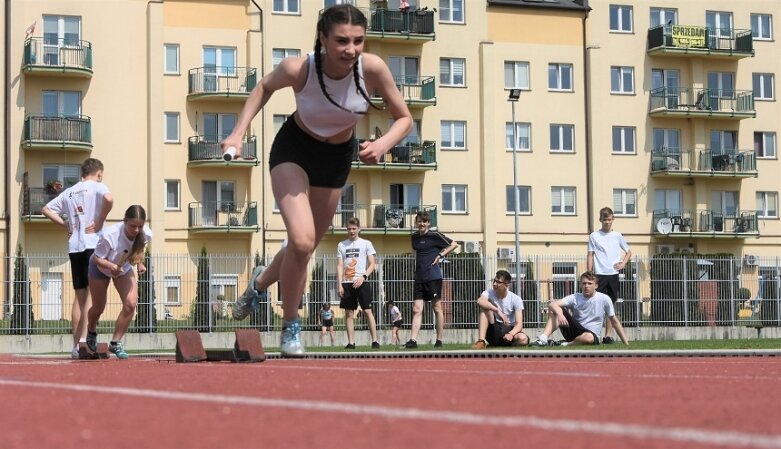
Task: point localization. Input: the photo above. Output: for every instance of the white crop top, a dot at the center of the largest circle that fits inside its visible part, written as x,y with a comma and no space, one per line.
320,115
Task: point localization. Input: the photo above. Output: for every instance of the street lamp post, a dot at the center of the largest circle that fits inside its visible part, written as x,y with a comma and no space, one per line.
515,94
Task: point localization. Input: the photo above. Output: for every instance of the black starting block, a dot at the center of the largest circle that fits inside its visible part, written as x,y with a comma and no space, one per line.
86,354
247,348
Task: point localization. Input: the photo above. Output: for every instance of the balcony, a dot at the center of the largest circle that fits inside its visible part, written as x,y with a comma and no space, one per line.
687,40
704,163
418,92
33,200
706,223
687,102
57,57
205,151
71,133
414,27
223,217
220,83
382,218
403,157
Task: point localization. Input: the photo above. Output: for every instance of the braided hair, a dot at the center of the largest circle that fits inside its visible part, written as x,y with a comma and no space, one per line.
137,252
337,15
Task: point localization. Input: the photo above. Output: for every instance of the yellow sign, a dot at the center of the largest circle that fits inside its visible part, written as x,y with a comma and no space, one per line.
688,36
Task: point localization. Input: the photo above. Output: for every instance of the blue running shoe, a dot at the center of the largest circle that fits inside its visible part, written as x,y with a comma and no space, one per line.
92,341
290,340
250,298
118,350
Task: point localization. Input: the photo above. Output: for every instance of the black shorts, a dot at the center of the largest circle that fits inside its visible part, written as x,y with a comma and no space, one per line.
326,164
574,329
609,285
495,333
354,296
80,268
428,291
397,324
328,323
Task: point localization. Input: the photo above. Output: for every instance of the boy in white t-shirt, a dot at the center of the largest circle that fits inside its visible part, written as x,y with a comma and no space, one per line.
85,206
355,263
501,315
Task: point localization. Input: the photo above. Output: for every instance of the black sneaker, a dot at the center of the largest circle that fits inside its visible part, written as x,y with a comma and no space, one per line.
375,345
350,346
539,343
438,344
412,344
608,341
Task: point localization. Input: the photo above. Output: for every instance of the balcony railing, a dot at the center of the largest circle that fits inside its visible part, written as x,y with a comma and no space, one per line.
33,200
382,218
70,57
688,40
223,216
417,91
221,82
716,103
420,156
414,25
706,163
71,132
206,150
706,223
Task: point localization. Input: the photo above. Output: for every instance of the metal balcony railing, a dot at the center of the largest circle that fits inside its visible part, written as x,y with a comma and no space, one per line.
704,162
57,53
221,80
702,101
207,148
396,21
382,217
707,222
694,39
57,130
223,215
33,200
406,156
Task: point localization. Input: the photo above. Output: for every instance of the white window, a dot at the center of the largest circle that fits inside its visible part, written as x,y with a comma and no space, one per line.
622,80
667,140
524,200
562,138
625,202
451,11
454,198
624,139
668,200
663,16
762,27
60,32
765,145
278,54
564,279
329,3
523,136
218,61
453,134
286,6
621,18
516,75
173,289
172,194
451,71
763,86
69,175
560,77
767,204
171,125
725,202
405,69
223,290
562,200
61,103
217,127
719,26
171,59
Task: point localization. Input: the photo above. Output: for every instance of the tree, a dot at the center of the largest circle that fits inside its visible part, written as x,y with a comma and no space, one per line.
146,311
201,305
22,316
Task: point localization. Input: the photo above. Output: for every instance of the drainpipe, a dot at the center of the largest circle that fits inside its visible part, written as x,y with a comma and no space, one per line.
261,148
587,123
7,134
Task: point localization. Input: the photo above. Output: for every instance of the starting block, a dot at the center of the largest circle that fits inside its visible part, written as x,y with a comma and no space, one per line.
86,354
247,348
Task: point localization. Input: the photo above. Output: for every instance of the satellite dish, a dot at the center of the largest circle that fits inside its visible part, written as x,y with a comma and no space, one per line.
664,226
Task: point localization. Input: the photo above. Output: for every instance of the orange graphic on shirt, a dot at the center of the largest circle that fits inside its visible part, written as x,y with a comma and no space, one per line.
349,271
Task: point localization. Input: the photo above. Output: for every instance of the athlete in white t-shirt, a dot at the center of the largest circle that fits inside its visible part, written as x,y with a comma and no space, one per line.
355,263
501,315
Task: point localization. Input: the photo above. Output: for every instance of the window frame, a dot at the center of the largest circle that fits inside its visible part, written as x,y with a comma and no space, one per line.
286,53
765,196
178,187
177,69
509,190
452,191
769,34
508,128
174,281
452,129
558,87
761,78
620,72
178,131
621,10
561,127
514,70
287,10
449,10
451,72
764,149
620,210
623,139
561,192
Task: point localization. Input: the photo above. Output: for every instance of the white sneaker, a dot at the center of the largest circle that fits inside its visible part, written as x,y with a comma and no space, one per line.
290,340
75,353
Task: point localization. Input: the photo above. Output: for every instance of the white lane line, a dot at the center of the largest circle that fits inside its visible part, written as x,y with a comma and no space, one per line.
642,432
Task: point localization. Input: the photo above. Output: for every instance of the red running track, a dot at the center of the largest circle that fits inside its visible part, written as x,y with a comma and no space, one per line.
727,402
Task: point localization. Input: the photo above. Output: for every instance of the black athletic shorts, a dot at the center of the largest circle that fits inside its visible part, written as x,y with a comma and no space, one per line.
428,291
80,268
495,334
328,323
354,296
609,285
574,329
397,324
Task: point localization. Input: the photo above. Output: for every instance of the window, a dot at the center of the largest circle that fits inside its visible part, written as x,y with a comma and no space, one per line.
68,174
562,200
451,71
524,200
667,140
406,197
763,86
346,208
173,288
762,27
562,138
216,127
516,75
765,145
285,6
61,103
218,198
663,16
668,200
453,135
719,25
278,54
625,202
454,198
726,202
329,3
171,59
624,139
723,142
60,32
621,18
224,289
405,69
622,80
217,61
172,194
171,127
564,279
560,77
523,135
451,11
767,204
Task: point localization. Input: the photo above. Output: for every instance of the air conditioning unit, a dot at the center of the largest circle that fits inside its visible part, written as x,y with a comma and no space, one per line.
687,250
471,246
506,254
665,249
751,260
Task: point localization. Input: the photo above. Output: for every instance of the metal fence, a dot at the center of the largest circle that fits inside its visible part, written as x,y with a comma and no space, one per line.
197,291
